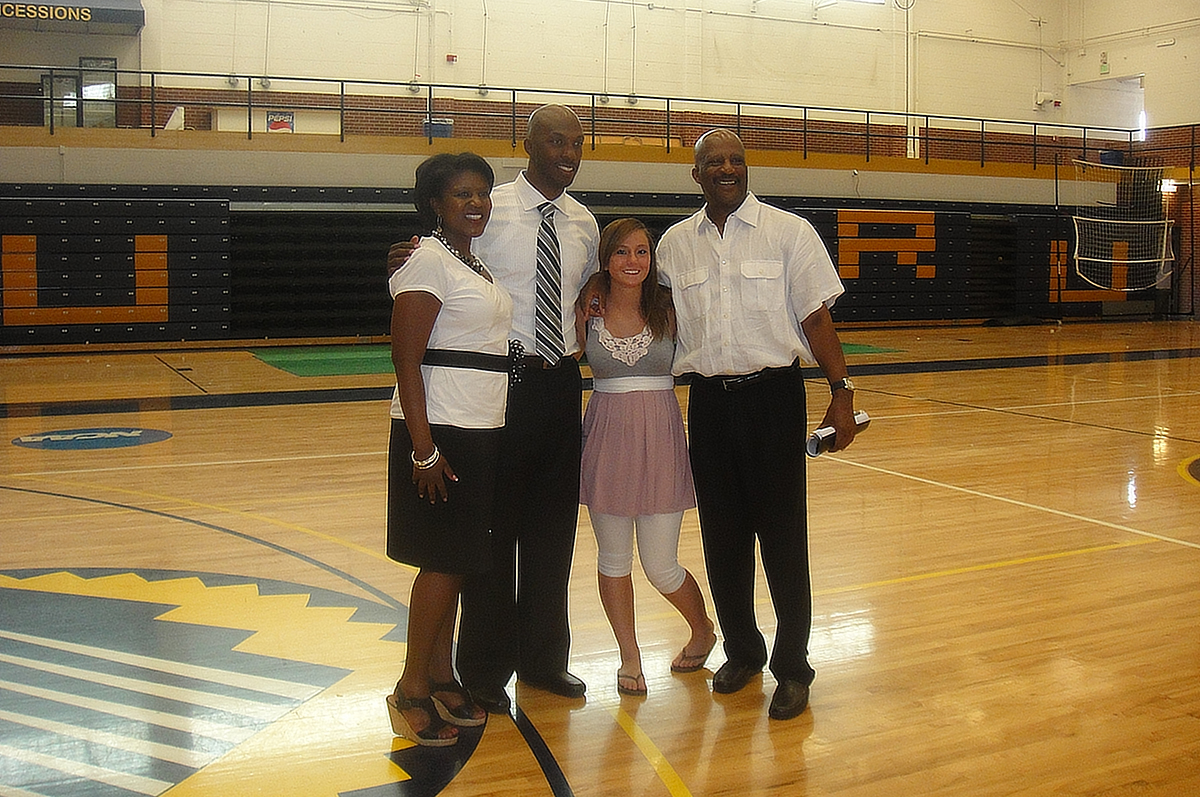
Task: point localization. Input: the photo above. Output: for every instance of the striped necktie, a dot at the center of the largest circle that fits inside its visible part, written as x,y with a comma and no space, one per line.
548,333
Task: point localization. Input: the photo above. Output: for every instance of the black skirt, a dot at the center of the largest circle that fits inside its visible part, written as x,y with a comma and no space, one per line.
451,536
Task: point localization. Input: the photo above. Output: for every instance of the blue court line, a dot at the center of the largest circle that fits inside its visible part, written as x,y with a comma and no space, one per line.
545,758
541,752
339,395
203,402
1030,361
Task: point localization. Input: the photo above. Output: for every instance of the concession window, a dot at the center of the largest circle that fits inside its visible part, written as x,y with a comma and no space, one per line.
74,16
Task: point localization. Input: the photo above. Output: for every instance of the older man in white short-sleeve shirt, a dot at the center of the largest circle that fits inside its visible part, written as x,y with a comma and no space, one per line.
752,286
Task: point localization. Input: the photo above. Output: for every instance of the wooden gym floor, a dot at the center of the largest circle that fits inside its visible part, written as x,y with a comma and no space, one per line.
1006,572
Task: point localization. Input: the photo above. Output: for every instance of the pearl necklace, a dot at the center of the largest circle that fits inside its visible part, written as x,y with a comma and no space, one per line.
472,262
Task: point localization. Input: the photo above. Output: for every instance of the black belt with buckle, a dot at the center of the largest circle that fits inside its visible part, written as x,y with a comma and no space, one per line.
542,364
512,363
733,383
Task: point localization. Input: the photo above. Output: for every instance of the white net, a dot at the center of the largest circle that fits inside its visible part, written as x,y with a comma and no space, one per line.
1122,233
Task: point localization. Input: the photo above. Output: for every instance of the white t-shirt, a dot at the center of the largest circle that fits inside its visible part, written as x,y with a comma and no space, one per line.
509,247
476,315
740,298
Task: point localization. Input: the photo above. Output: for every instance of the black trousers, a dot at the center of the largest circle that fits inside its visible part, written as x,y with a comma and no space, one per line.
747,453
514,617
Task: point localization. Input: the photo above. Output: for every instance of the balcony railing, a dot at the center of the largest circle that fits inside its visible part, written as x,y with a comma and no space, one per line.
51,96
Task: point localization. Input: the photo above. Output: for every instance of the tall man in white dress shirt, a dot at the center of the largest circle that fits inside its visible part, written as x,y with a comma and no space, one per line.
752,286
514,618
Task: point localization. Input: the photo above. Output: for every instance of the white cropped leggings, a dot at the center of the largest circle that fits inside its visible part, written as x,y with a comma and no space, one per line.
657,544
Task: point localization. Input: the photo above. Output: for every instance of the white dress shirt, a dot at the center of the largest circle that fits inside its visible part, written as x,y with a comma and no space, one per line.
740,298
509,247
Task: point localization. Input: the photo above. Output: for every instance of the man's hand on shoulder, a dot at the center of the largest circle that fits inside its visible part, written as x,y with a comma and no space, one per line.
591,300
399,253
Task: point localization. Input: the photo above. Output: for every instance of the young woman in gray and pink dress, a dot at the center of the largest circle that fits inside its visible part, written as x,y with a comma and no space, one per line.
635,479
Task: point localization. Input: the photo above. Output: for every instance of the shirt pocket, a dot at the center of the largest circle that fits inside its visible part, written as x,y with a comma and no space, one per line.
692,294
764,288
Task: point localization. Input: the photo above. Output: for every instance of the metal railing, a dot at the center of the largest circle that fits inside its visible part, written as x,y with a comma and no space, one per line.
144,100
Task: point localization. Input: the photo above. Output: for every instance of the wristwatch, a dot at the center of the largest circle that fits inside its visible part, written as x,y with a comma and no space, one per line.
841,384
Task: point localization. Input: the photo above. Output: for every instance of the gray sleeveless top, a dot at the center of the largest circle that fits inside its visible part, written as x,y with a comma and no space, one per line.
610,357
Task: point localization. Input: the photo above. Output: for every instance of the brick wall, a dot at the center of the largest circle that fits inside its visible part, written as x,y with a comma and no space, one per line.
1186,216
1169,146
16,110
996,147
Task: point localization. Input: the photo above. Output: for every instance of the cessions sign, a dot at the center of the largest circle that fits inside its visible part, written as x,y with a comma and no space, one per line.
45,12
122,17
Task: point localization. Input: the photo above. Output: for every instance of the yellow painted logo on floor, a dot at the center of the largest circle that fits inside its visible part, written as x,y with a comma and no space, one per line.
201,684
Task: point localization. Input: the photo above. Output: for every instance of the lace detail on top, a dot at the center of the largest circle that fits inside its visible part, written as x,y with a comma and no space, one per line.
627,350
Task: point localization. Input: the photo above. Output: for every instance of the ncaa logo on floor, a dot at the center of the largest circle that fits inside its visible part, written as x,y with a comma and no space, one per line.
83,439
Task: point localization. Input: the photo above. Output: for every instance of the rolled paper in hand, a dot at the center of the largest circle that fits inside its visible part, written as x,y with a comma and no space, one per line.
825,438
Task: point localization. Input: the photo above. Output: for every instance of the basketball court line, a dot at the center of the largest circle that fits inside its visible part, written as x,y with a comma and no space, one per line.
197,726
379,594
13,519
959,408
1189,469
236,706
78,769
1028,361
371,552
292,690
666,773
555,777
1016,411
179,372
339,395
114,741
202,464
957,571
1015,502
13,791
208,401
1015,408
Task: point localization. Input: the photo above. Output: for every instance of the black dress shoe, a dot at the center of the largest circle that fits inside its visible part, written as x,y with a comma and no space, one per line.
733,676
493,699
560,683
790,700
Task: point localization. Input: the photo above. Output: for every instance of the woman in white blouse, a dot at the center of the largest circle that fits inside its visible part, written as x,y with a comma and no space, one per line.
450,324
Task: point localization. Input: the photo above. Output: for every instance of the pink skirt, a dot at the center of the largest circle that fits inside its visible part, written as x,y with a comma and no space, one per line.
635,459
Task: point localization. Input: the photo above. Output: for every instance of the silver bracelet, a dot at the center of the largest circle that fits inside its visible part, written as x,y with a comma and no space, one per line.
426,464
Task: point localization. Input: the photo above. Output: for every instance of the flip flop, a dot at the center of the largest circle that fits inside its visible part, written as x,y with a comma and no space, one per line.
692,663
638,688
